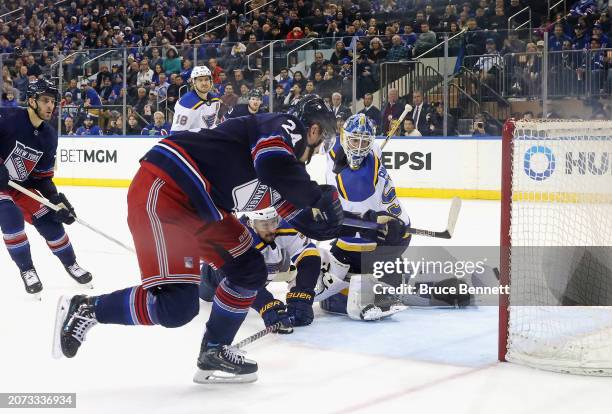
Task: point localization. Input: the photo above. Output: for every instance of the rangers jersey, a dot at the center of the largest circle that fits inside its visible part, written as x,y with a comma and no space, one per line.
192,113
27,152
245,164
368,188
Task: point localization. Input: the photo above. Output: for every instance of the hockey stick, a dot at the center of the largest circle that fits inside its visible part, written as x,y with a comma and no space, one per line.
258,335
453,214
393,129
53,207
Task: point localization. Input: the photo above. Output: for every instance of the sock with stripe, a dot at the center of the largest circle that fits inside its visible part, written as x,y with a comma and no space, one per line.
13,230
56,238
230,307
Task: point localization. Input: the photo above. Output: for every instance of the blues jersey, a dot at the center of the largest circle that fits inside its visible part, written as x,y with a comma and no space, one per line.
26,151
367,188
192,113
245,164
288,248
240,110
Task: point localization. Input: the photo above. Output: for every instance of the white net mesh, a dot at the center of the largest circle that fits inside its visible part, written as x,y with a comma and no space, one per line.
561,233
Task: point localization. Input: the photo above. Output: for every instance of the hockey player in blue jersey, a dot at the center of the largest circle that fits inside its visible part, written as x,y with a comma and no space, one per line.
290,257
180,206
28,145
253,107
354,167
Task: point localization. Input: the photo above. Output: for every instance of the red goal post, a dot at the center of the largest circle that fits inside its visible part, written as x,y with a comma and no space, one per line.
556,224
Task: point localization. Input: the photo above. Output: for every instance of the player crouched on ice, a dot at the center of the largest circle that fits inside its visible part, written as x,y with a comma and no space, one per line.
198,108
290,257
354,167
28,145
252,107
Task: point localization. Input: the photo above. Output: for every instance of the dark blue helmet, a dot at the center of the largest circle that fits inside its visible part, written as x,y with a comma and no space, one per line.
255,93
311,109
42,87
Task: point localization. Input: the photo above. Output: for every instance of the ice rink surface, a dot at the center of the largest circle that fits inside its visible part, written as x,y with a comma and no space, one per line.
419,361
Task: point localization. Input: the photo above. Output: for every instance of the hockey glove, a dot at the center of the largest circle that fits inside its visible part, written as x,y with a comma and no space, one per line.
391,230
299,306
274,312
329,207
66,214
4,177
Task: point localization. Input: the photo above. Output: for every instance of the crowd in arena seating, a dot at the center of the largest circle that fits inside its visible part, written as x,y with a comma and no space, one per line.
161,51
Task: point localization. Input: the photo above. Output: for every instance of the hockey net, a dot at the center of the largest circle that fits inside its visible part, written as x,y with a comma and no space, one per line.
556,238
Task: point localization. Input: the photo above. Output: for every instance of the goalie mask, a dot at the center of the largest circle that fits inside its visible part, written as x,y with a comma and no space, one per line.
357,139
264,222
310,110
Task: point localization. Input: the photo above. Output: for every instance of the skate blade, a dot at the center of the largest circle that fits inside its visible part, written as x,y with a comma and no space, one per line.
63,305
220,377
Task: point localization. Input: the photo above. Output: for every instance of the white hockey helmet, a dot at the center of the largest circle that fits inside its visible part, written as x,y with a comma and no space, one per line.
357,139
200,71
264,219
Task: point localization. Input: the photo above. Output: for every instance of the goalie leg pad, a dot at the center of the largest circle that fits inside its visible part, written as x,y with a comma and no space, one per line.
361,304
331,279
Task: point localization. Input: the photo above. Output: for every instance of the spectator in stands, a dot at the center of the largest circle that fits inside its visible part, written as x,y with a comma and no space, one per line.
89,96
114,126
436,122
215,70
172,63
318,65
397,51
408,36
599,34
293,35
339,53
426,40
371,111
132,73
244,94
132,127
338,108
140,100
239,80
156,58
229,98
377,52
9,99
88,127
68,126
186,72
285,80
295,94
515,7
490,63
21,82
392,110
310,88
408,128
419,112
581,41
159,127
596,64
157,70
474,42
583,7
106,91
512,44
499,21
555,42
174,89
279,98
161,87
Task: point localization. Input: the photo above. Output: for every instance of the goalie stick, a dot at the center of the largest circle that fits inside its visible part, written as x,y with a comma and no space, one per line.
453,214
53,207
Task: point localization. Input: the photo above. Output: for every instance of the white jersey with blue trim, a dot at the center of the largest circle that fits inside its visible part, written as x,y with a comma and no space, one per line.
192,113
369,187
289,248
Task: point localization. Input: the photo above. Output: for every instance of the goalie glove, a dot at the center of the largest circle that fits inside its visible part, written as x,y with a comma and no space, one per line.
299,306
274,312
66,213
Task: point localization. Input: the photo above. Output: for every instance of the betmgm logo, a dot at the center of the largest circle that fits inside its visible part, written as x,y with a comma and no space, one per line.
539,163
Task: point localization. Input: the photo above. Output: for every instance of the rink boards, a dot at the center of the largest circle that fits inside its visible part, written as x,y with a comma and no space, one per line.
431,167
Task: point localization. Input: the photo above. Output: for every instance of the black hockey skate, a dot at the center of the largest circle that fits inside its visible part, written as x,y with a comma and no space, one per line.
75,316
224,364
31,282
80,275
